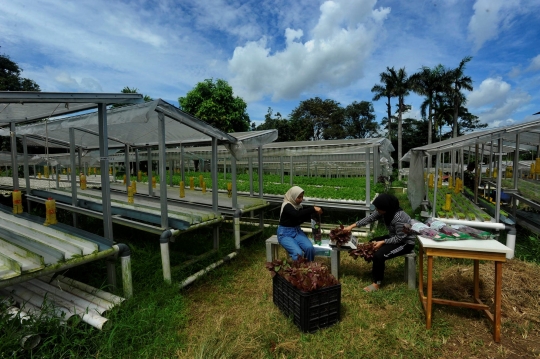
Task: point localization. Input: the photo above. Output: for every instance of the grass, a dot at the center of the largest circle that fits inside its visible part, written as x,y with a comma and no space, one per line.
229,312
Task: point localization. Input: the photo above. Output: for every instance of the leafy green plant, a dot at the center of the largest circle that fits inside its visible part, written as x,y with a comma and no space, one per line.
303,274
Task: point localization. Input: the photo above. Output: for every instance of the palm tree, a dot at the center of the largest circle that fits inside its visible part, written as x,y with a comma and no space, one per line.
400,89
428,82
458,82
384,89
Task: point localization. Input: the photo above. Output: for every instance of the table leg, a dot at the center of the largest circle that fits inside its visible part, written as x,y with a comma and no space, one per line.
497,315
429,291
476,278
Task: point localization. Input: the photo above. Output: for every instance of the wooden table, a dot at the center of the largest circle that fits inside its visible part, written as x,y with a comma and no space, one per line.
477,250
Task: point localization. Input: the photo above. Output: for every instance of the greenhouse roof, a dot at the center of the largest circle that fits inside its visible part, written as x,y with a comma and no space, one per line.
23,107
529,136
314,148
137,126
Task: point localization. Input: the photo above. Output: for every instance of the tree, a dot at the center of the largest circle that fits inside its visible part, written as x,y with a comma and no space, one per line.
282,125
215,103
360,120
384,89
10,77
317,119
127,89
459,81
400,89
428,82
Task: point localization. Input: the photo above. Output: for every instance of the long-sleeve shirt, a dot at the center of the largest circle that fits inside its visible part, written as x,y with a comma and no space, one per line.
290,217
395,228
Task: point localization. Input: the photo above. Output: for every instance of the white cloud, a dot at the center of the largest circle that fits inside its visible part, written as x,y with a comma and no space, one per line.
495,102
491,91
488,18
334,56
535,64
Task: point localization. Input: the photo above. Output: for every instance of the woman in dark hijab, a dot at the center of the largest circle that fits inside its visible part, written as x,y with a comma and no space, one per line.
395,243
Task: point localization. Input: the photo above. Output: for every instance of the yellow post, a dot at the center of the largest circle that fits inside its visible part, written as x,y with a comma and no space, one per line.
182,189
450,182
204,187
134,185
125,179
154,182
229,189
46,171
139,176
431,181
537,166
458,185
39,175
191,183
532,170
487,172
17,202
201,179
82,180
439,182
495,171
130,194
448,204
50,216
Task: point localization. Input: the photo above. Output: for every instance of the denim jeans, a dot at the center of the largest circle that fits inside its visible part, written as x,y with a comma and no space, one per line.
295,242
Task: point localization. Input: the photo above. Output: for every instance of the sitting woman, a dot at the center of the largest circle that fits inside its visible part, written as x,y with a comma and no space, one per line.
394,244
292,215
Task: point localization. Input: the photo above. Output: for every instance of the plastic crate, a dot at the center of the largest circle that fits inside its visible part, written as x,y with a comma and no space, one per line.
309,311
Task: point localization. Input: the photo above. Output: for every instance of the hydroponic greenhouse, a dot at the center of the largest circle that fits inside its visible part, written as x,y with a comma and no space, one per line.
335,173
480,177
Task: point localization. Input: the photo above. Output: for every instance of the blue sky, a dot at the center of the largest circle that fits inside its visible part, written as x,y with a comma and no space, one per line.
276,53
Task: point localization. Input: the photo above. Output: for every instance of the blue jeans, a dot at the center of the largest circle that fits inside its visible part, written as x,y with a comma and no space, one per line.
295,242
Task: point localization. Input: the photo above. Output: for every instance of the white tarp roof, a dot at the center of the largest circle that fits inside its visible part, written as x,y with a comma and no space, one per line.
137,126
23,107
529,135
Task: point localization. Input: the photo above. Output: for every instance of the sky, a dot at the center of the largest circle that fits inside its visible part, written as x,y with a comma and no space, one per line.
277,53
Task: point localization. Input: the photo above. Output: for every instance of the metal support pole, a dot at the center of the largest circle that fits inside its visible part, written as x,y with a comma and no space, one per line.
137,167
261,188
250,164
499,181
214,173
73,172
291,173
236,215
162,171
126,167
368,178
516,163
26,172
281,168
182,166
437,164
14,164
104,164
149,161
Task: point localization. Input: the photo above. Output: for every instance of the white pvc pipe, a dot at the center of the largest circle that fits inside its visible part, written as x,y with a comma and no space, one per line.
490,225
166,262
510,243
236,221
200,273
127,280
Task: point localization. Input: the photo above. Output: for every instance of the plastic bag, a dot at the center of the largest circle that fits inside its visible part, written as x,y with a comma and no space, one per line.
316,228
445,229
422,229
473,232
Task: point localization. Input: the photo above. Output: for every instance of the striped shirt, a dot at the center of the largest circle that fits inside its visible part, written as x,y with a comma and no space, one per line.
395,229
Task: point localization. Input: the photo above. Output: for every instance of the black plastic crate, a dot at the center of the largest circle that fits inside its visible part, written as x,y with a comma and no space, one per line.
309,311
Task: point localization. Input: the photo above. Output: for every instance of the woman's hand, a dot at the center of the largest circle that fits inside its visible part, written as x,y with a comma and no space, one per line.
348,228
378,245
318,209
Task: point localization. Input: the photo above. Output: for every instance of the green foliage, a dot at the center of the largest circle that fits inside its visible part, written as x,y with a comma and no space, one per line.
10,77
282,125
360,120
318,119
214,103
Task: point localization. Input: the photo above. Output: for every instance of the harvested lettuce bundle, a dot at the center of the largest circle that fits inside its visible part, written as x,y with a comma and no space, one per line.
473,232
